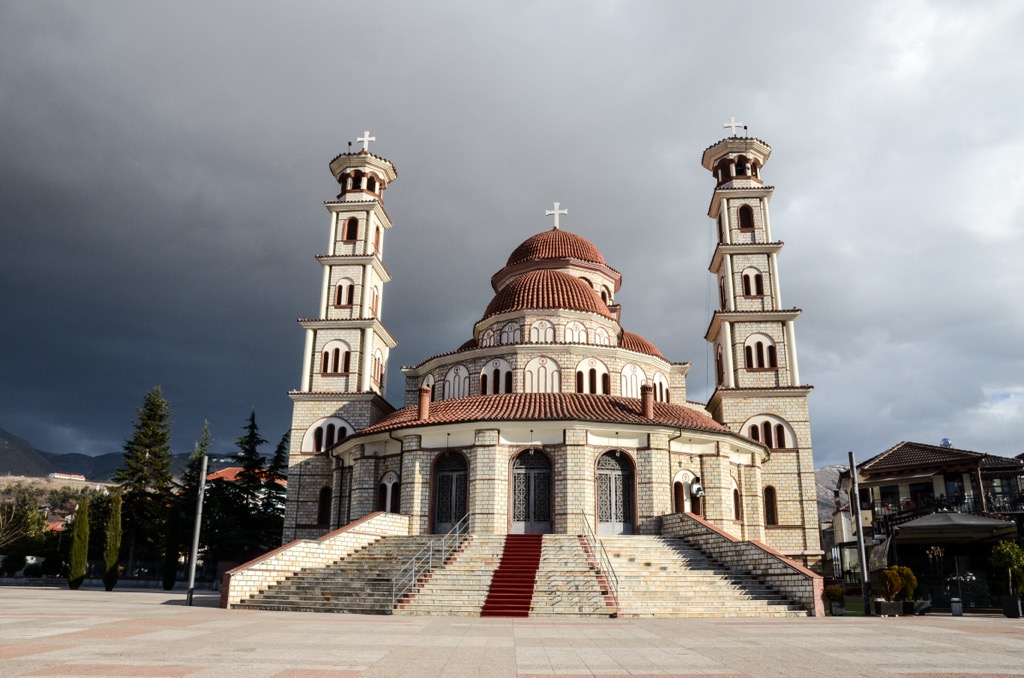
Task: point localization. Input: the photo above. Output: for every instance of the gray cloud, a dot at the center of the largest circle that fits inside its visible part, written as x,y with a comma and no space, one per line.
162,169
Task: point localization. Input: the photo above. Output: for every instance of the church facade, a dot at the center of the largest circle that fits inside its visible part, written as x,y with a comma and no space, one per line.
552,414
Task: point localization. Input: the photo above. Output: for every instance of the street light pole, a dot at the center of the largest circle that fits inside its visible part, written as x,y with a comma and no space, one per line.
865,587
195,533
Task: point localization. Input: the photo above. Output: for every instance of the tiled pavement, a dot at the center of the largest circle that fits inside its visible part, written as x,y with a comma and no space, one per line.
56,632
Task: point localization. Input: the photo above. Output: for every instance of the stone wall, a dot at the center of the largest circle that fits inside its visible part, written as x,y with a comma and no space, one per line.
274,567
791,579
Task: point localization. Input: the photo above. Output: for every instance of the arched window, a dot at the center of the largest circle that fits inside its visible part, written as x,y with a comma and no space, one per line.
511,334
759,352
542,375
371,184
375,302
323,506
719,367
661,388
601,337
335,358
492,376
378,367
344,293
741,166
429,383
351,230
575,333
758,285
387,493
324,433
487,339
773,431
633,377
753,282
746,218
721,292
542,332
357,181
590,374
456,383
376,240
606,384
771,509
737,505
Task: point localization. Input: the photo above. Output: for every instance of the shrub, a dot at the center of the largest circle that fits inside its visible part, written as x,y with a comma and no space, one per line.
834,593
12,564
892,584
909,581
112,545
1009,555
79,545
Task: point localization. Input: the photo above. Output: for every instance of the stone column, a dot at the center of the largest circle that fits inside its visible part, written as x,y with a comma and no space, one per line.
574,478
654,492
488,484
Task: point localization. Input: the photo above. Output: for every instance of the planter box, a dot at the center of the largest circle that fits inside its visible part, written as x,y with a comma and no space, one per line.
1011,607
838,608
884,608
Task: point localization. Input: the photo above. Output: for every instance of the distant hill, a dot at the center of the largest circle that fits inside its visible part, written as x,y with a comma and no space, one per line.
825,480
19,458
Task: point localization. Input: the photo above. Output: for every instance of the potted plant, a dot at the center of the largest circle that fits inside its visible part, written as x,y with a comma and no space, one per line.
1009,555
891,583
836,596
908,589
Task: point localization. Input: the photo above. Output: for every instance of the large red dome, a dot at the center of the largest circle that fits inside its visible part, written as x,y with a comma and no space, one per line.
547,289
555,244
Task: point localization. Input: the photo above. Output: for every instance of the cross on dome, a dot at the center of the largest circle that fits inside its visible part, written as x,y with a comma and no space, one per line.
555,213
732,124
366,139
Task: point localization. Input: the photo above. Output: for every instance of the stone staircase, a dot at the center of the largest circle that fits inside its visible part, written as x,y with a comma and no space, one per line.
360,583
666,577
567,583
460,588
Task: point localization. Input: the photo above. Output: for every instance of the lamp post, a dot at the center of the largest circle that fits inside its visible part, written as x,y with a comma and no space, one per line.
865,587
195,533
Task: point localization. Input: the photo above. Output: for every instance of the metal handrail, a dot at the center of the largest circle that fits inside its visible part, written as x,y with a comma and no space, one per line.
604,563
437,551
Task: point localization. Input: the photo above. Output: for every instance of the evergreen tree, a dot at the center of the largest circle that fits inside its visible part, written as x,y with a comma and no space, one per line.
189,492
112,545
250,478
145,478
79,545
277,472
172,528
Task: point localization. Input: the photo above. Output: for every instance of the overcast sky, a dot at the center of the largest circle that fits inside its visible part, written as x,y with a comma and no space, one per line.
163,168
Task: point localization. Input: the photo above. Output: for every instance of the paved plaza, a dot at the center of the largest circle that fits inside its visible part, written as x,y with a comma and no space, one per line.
57,632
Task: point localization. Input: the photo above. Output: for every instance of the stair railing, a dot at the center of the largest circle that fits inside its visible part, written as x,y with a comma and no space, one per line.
434,554
604,563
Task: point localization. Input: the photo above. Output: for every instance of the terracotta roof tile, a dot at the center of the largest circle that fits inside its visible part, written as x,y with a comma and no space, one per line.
636,343
544,289
555,244
545,407
907,454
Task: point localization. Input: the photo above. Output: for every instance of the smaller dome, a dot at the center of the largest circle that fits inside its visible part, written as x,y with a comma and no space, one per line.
555,244
637,344
547,289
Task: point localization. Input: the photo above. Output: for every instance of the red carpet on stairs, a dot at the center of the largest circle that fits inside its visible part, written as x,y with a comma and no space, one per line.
511,589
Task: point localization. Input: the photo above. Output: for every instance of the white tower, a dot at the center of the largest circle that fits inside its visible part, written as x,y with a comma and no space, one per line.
759,393
343,383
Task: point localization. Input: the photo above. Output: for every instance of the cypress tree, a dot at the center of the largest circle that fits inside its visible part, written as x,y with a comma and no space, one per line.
79,545
112,545
145,478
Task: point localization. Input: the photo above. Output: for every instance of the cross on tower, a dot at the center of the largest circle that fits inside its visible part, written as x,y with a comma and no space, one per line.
732,124
555,212
366,139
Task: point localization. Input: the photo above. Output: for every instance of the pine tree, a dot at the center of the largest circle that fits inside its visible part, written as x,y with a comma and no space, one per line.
277,473
145,478
112,545
79,545
250,478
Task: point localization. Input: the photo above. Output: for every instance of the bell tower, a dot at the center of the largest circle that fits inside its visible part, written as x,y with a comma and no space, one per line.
753,338
343,384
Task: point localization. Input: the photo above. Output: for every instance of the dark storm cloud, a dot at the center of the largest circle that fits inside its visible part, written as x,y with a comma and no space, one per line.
163,166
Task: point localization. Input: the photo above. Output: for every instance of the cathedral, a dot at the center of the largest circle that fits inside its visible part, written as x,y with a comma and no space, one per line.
552,417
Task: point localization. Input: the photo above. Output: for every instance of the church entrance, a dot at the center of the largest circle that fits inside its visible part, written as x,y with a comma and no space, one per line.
450,492
531,493
614,494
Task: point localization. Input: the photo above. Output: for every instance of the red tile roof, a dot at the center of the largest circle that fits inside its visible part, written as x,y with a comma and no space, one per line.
636,343
547,289
908,454
524,407
555,244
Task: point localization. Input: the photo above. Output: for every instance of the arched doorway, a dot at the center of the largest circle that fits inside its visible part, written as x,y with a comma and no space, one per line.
450,492
531,493
614,494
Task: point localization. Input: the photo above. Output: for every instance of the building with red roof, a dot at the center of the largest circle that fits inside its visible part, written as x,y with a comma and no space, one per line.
552,414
